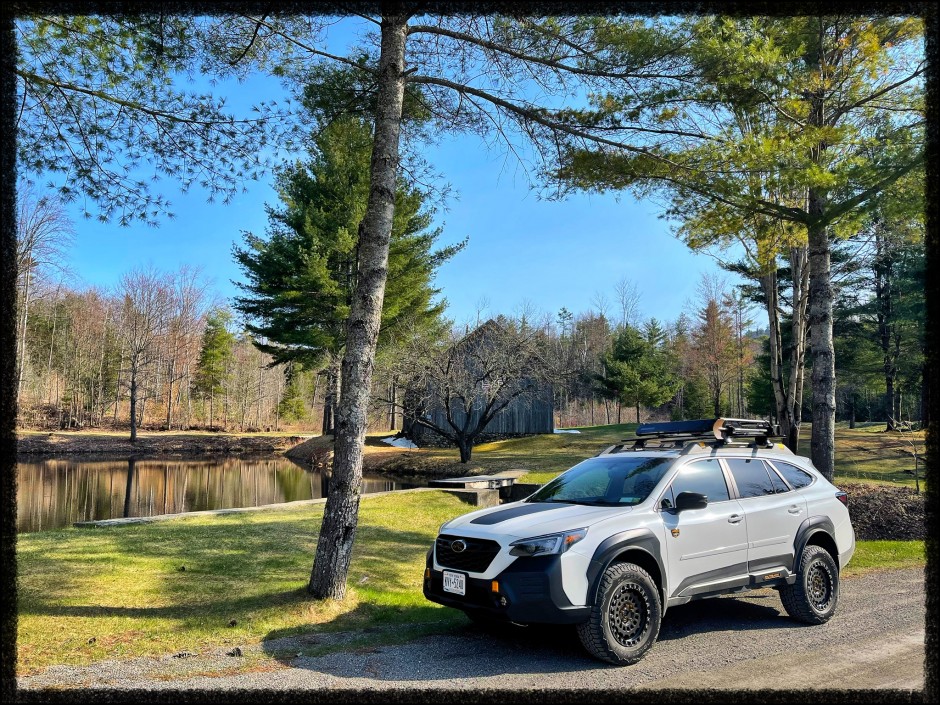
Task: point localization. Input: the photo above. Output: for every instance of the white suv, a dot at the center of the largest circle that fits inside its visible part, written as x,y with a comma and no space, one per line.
686,510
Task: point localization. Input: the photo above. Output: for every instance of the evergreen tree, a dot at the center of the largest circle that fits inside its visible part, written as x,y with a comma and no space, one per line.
301,278
291,405
637,368
215,356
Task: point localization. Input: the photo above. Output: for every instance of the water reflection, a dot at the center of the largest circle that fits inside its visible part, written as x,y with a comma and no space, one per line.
53,493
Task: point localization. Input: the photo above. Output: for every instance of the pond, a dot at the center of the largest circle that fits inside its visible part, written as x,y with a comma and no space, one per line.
53,493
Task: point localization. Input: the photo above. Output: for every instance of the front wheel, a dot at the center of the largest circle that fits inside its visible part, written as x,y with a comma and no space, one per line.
624,621
812,599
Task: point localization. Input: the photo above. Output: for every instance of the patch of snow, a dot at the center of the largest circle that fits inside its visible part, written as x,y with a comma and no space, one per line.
399,442
565,430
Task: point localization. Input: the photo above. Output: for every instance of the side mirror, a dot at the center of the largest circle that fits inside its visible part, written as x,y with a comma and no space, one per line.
690,500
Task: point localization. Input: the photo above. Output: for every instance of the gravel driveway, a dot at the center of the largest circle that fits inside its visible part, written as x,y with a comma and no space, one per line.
876,640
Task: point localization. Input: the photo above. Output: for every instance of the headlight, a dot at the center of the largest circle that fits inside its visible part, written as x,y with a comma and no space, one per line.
548,544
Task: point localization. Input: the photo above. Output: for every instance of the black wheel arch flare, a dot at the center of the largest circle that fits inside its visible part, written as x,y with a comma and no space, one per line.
811,526
636,541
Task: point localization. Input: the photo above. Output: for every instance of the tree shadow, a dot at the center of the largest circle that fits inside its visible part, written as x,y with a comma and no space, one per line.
724,614
461,649
212,571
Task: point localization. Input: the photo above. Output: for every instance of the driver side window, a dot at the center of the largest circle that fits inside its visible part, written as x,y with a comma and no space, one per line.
704,477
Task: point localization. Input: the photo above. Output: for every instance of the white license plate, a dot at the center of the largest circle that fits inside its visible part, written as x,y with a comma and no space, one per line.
455,583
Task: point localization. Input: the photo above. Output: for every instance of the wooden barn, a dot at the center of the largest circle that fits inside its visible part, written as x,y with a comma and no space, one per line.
527,412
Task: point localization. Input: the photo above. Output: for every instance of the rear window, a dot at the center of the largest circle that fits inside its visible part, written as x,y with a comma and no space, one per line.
751,477
795,476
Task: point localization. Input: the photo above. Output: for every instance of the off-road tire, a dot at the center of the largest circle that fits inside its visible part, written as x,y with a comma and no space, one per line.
629,595
812,599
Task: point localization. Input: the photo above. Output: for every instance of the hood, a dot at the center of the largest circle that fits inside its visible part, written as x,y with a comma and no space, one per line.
525,519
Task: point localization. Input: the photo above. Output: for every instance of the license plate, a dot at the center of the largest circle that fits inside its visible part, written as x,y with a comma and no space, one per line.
455,583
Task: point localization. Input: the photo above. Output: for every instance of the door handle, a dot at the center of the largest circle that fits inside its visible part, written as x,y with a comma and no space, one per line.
735,519
794,510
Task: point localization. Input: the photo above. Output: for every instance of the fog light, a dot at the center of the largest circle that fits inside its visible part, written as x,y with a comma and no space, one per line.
494,586
503,602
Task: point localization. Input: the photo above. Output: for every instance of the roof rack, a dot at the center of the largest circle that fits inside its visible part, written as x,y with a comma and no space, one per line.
714,431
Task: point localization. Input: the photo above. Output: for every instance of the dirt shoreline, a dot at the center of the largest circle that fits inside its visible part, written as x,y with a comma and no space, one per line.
32,445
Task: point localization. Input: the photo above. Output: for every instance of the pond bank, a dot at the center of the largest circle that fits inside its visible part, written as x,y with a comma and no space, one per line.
127,521
158,444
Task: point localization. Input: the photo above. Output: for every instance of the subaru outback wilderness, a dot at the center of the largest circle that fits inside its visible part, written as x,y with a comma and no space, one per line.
687,510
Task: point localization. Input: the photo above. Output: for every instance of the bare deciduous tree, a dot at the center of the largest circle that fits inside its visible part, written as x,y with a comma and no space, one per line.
44,233
628,299
146,304
456,386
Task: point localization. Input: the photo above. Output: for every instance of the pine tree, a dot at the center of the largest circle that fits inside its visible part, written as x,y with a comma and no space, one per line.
215,356
301,278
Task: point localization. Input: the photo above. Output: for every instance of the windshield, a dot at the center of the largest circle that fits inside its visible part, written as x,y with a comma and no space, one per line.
608,481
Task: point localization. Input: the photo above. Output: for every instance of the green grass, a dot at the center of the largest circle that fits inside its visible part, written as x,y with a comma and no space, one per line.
883,555
89,594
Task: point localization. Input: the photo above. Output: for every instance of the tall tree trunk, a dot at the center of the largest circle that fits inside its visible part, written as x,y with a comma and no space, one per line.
341,514
822,444
55,318
277,404
924,392
169,396
882,268
19,375
133,402
328,404
799,328
822,441
260,394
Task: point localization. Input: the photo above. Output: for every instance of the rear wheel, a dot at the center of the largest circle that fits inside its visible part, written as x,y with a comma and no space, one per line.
625,619
812,599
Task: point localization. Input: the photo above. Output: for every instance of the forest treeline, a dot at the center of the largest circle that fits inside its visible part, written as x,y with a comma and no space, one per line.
186,360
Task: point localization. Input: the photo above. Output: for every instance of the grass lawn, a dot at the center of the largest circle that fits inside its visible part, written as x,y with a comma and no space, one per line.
883,555
89,594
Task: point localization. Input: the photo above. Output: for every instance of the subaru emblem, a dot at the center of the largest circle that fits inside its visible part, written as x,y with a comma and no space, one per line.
458,546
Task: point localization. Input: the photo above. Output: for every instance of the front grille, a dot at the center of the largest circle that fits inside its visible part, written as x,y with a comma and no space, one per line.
476,558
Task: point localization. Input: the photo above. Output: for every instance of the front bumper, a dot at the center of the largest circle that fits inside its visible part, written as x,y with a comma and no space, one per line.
530,592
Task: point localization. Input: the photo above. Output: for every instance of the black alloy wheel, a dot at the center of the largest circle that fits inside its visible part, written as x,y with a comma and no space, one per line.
628,614
813,598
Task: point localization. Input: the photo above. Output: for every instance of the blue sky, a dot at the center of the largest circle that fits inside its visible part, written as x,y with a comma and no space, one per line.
521,248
